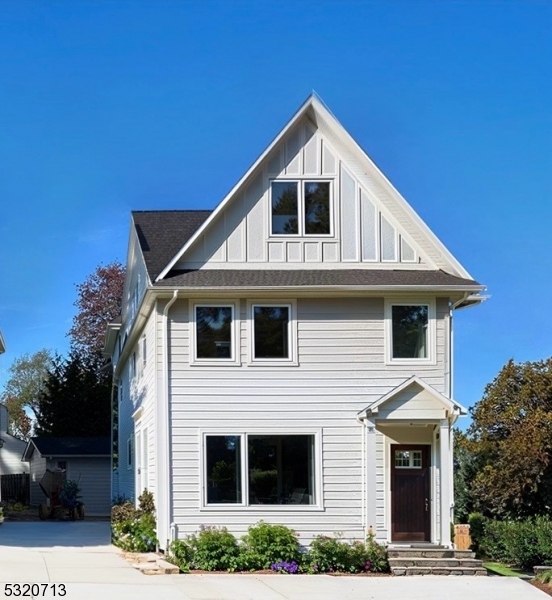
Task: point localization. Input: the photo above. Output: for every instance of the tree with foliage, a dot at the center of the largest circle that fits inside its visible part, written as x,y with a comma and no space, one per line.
27,377
509,444
75,401
99,300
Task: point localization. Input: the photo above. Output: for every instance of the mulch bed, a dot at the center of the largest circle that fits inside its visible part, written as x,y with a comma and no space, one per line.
544,587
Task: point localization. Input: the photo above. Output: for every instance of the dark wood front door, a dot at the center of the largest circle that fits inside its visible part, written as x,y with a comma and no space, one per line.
410,501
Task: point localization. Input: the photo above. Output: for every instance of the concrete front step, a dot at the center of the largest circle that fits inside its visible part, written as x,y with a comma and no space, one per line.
433,561
469,563
438,571
435,553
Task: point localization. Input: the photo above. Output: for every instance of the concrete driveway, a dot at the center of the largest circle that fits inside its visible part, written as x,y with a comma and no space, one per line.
78,554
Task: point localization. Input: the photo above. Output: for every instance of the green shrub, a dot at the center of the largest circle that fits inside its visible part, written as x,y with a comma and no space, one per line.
146,503
476,521
181,555
328,554
214,549
135,535
265,545
545,577
523,544
69,493
376,554
123,512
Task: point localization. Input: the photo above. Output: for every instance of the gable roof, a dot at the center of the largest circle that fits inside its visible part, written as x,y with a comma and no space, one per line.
161,234
68,446
448,403
320,114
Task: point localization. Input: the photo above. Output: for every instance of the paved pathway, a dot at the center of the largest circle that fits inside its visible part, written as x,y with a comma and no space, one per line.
78,554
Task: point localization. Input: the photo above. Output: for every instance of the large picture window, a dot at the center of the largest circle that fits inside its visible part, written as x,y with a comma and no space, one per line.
301,208
280,469
224,480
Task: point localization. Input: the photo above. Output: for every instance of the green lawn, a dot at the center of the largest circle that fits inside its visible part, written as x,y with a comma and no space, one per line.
500,569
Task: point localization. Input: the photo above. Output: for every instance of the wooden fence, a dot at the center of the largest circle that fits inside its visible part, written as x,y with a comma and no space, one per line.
15,488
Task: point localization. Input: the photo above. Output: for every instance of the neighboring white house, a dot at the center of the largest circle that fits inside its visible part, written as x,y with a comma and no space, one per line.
11,448
288,356
83,459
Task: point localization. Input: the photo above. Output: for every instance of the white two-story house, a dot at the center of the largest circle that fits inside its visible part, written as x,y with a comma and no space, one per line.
288,355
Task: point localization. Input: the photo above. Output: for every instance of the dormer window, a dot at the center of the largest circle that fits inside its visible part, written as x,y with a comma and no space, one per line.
301,208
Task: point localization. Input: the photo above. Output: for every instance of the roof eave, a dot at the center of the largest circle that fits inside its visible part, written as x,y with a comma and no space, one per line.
333,288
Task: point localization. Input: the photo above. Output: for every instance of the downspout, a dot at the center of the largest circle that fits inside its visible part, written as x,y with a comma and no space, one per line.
362,421
450,392
163,528
450,374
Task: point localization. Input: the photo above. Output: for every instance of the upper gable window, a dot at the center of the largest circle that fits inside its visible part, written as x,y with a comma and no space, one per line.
410,331
301,208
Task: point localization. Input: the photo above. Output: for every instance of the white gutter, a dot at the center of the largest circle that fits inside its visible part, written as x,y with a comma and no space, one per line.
163,439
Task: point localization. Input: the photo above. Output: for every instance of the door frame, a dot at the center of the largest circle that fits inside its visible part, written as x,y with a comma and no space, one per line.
427,454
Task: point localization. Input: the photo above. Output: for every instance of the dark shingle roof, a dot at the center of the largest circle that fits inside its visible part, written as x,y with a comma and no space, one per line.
73,446
162,233
246,278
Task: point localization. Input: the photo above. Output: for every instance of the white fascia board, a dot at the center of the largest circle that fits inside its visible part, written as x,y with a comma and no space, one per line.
2,344
356,150
328,288
452,405
295,119
28,452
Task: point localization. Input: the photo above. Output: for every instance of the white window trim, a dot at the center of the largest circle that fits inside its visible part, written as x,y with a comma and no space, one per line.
143,352
243,505
301,208
130,452
431,358
292,360
235,360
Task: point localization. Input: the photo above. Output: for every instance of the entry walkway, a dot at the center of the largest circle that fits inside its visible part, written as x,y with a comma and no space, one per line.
78,554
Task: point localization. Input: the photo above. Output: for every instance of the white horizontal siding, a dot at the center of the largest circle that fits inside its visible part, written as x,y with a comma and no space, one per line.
341,370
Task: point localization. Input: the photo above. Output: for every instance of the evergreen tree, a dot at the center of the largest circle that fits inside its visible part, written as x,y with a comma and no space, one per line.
75,401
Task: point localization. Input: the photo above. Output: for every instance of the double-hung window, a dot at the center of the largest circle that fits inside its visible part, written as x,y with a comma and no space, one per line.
410,332
213,334
301,208
272,332
253,469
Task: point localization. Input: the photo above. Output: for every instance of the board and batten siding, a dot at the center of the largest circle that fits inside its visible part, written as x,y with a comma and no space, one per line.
341,371
363,230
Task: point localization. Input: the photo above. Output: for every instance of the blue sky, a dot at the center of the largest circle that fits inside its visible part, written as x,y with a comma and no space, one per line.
107,107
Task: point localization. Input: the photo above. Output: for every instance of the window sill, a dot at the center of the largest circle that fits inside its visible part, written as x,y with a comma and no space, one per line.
410,362
273,363
215,363
263,507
